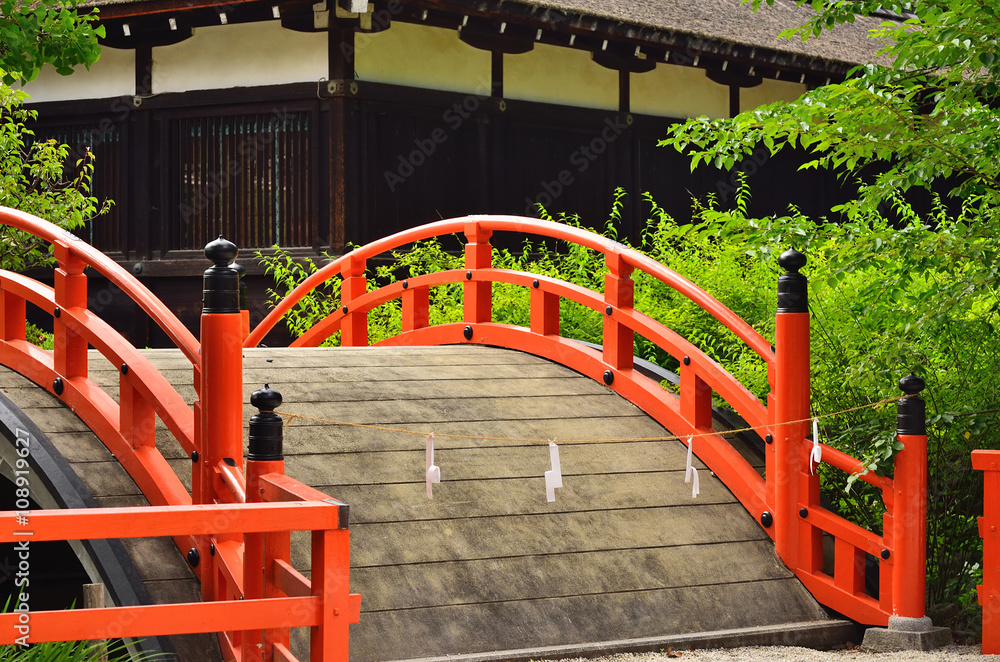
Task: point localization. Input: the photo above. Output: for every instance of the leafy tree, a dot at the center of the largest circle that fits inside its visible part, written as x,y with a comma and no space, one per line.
37,176
45,32
926,111
893,289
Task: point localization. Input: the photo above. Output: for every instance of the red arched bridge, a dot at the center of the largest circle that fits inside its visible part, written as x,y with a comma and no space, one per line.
232,514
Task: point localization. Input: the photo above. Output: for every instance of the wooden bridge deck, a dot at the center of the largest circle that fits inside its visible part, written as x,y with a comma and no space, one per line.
624,552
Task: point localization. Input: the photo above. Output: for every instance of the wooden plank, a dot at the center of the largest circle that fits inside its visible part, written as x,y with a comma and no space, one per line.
587,573
464,464
305,437
105,479
80,446
405,634
397,543
522,496
157,558
391,412
428,389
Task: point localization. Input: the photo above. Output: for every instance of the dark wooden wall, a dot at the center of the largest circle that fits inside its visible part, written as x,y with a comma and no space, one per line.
255,165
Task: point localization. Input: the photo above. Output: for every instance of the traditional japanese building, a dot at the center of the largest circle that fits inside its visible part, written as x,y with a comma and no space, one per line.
313,126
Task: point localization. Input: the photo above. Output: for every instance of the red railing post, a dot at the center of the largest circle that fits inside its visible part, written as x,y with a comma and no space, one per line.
477,294
354,328
264,456
988,461
909,512
221,394
69,349
544,311
331,563
416,307
12,316
797,544
619,292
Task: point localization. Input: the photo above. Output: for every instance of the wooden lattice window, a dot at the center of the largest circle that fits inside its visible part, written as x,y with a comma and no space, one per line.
247,177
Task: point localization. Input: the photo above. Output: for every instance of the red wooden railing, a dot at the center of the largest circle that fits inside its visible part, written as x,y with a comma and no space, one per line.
988,461
786,502
235,526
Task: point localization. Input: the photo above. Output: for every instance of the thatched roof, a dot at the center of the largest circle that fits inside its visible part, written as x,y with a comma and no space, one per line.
729,21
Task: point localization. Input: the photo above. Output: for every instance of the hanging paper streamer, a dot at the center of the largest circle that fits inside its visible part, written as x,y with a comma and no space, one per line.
553,477
816,455
433,474
690,472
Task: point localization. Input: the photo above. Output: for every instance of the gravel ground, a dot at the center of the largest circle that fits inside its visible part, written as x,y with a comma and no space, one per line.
794,654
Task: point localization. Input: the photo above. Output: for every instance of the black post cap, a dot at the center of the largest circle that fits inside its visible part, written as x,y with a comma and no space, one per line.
266,427
244,297
221,282
793,287
911,417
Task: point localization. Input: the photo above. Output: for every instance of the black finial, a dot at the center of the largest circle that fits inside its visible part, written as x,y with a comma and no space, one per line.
911,384
911,416
221,282
792,260
221,251
793,287
266,427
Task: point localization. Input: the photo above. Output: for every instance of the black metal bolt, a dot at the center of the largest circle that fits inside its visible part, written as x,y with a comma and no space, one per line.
193,557
344,309
885,554
467,332
194,456
608,310
534,283
768,439
57,385
766,520
211,549
405,284
57,313
609,377
687,360
468,275
803,512
124,368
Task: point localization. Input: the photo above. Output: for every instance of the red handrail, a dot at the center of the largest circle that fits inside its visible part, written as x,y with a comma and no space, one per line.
77,248
568,233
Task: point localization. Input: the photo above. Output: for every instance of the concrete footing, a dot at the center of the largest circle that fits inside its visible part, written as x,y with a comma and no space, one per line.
907,634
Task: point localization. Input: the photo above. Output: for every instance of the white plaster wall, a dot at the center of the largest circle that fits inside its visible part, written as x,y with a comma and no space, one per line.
240,55
113,75
770,91
554,74
422,56
674,91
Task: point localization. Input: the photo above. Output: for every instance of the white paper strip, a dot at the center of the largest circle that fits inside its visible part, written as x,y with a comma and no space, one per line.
433,474
553,477
690,472
816,455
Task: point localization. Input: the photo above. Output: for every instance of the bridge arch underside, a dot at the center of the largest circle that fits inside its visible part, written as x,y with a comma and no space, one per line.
624,558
